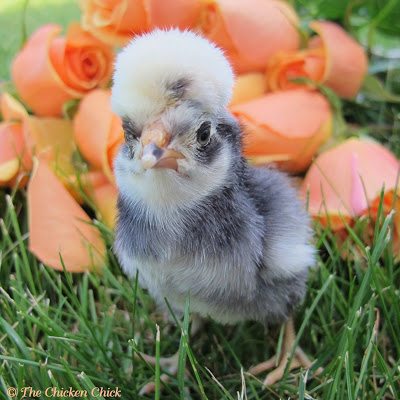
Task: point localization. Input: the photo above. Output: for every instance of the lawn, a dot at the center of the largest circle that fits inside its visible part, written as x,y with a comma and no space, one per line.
83,330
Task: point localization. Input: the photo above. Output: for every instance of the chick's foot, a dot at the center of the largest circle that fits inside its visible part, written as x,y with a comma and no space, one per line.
299,359
167,364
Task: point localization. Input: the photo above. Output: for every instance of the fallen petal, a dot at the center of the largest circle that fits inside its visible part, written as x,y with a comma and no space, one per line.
11,109
14,156
59,228
8,171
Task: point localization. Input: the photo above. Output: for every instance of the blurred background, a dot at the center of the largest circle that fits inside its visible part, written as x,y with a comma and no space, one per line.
375,23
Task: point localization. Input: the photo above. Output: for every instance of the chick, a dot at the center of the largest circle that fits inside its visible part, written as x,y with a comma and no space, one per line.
194,219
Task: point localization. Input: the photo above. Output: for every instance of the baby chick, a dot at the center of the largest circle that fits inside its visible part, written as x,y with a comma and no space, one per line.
195,220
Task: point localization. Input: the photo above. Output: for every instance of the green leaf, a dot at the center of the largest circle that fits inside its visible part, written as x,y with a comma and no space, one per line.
374,89
70,108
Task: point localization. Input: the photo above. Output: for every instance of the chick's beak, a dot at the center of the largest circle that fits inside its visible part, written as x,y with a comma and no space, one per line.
156,154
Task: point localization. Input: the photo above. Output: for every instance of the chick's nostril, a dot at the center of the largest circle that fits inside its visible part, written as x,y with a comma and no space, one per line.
151,155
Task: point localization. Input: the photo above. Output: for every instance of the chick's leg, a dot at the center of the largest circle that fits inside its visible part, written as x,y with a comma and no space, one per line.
299,358
168,364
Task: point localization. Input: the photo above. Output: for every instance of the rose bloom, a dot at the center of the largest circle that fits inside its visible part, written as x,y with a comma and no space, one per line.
98,131
346,181
286,128
51,70
250,31
116,21
332,58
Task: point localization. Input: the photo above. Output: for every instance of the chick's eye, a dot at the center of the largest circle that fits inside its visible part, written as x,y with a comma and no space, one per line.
204,133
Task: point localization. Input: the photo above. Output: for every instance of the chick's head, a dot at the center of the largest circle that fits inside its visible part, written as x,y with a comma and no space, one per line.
171,89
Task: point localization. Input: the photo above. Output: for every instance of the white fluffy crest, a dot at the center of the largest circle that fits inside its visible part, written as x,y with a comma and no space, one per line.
151,62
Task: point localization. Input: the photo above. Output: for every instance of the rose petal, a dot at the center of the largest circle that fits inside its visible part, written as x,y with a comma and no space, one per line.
35,77
51,70
98,132
52,138
287,127
11,140
94,179
346,61
339,191
287,66
11,109
105,200
8,170
58,227
248,87
81,61
251,31
117,23
182,14
81,184
13,152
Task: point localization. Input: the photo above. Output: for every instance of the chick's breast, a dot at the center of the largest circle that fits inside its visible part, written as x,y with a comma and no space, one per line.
242,253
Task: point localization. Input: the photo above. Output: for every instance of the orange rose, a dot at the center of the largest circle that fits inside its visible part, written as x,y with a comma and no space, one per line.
116,21
286,66
285,127
251,31
346,181
332,58
51,70
98,132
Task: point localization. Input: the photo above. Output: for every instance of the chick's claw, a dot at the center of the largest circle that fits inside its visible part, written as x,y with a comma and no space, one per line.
168,364
150,387
299,359
277,374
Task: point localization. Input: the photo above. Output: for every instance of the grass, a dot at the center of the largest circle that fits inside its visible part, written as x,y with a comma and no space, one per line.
22,17
62,330
83,331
